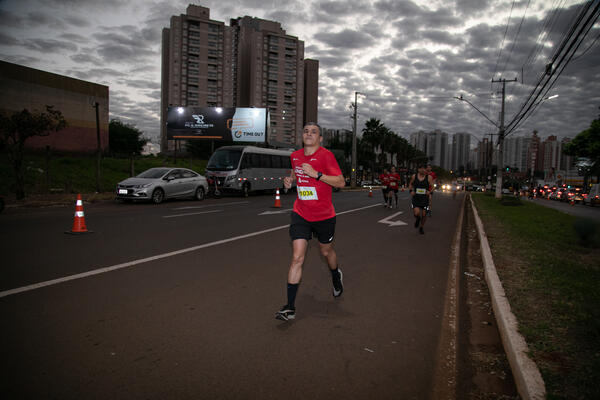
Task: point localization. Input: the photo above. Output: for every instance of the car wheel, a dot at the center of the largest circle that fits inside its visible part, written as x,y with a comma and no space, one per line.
158,196
200,193
245,190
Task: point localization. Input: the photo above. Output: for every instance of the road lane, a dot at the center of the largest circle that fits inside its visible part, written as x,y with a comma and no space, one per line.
201,324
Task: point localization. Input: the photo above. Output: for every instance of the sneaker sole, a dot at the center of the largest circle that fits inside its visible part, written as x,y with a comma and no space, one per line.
342,282
284,317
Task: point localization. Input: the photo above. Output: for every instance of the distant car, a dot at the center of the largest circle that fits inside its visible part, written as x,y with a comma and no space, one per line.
158,184
574,195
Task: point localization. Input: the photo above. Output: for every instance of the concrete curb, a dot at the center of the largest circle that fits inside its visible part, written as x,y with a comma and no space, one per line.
445,372
528,379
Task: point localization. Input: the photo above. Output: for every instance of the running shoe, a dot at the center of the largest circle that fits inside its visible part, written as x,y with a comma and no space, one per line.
338,285
421,231
417,222
286,313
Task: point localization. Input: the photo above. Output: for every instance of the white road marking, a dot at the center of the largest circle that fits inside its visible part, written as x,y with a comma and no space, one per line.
210,205
276,212
148,259
196,213
386,220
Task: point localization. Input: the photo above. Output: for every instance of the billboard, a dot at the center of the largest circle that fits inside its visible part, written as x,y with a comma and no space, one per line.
230,124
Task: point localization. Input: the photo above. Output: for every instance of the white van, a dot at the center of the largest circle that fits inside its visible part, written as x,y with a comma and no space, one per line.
593,196
245,169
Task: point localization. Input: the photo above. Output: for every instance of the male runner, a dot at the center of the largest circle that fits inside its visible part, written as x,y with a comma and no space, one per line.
316,171
419,187
434,176
394,183
384,178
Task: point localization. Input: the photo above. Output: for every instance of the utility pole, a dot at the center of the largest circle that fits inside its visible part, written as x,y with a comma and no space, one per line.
353,172
99,148
500,168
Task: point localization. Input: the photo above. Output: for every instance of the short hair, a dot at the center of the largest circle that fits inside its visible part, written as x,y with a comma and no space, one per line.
314,124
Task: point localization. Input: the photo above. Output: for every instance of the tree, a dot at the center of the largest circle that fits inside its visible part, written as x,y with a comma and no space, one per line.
17,128
587,145
124,138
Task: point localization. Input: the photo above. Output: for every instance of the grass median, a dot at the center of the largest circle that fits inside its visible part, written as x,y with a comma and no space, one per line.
552,281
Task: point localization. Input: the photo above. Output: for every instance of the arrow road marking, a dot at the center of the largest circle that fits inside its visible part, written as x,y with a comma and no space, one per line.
276,212
392,223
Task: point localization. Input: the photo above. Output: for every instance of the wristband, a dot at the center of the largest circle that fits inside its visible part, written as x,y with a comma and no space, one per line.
319,175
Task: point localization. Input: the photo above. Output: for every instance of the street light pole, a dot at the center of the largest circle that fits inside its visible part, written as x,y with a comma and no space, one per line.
500,168
353,172
98,149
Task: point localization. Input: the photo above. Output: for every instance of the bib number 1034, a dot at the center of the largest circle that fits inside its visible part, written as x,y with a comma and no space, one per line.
307,193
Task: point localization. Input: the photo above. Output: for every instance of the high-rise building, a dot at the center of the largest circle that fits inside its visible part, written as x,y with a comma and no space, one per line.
461,144
437,144
251,63
515,153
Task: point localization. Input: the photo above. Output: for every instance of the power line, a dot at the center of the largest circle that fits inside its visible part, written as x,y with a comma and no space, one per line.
515,39
574,46
504,37
586,50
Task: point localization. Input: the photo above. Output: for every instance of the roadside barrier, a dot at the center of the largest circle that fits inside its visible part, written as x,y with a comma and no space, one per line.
277,199
79,219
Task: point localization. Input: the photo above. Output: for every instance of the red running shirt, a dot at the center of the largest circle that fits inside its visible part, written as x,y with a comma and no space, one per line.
433,177
393,180
314,197
385,179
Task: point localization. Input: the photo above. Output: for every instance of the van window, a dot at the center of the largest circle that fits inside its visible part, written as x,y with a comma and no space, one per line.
286,162
265,161
276,161
255,160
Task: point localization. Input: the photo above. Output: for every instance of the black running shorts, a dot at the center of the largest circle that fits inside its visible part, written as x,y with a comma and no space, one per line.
303,229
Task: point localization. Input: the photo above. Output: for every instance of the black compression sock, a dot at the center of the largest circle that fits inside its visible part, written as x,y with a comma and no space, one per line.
292,289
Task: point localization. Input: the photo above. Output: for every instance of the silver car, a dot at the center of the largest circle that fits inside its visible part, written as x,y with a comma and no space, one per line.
158,184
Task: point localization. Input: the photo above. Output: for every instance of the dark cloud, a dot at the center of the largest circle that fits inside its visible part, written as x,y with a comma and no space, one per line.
49,45
8,40
78,21
73,37
140,83
85,58
346,39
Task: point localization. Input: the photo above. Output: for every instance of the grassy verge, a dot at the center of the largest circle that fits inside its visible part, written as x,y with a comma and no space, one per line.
77,174
552,282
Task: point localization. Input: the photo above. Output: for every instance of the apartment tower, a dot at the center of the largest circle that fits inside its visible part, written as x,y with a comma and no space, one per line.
251,63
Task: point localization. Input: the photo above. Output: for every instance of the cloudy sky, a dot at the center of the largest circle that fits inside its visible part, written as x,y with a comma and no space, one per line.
410,58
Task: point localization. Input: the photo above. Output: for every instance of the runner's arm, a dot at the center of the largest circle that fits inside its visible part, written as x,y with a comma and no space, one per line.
411,190
288,180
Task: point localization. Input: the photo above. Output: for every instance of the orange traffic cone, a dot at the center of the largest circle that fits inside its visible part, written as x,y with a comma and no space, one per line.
277,199
370,192
79,220
403,188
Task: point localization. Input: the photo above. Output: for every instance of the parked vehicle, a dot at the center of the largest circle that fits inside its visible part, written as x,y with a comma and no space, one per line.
593,197
158,184
245,169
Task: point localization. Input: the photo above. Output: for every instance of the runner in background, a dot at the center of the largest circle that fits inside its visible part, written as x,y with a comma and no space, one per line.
419,190
432,188
384,179
394,183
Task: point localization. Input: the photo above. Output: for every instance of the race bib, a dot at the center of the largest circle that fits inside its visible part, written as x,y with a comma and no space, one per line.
421,191
307,193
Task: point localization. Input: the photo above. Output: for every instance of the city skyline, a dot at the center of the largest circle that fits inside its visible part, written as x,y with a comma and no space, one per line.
410,58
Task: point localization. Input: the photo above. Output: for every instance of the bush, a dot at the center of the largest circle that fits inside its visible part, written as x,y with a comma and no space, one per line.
585,230
510,201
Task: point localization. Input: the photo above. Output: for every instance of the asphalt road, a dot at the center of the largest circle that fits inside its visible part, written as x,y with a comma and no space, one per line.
578,210
178,301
